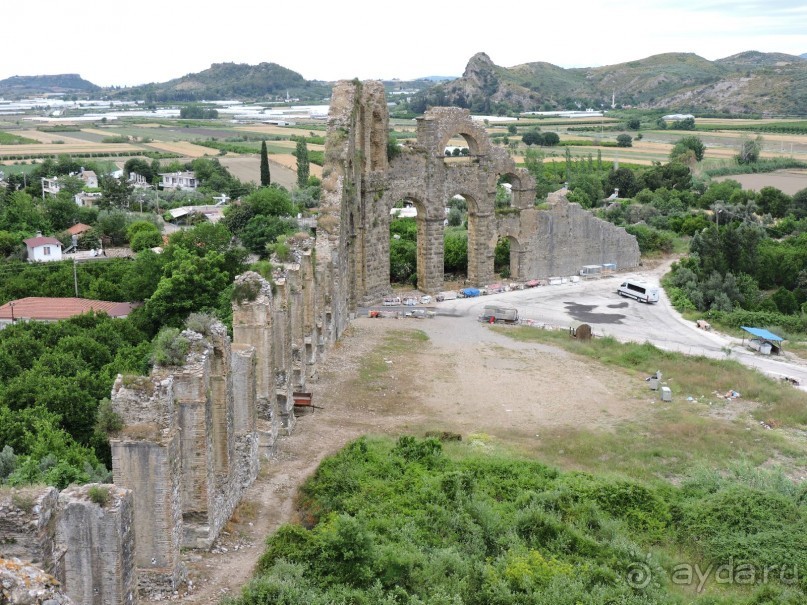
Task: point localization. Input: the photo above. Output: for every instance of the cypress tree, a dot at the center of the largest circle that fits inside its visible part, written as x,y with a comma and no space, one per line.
303,167
266,178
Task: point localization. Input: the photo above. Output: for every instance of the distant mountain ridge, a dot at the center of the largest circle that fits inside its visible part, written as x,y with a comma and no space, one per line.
748,82
45,84
265,81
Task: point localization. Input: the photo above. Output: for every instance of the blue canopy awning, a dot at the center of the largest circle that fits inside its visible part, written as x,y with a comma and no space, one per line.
760,333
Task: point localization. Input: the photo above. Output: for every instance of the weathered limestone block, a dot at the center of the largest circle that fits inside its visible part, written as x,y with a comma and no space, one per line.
297,312
22,584
28,525
253,321
146,458
245,434
150,465
282,347
98,542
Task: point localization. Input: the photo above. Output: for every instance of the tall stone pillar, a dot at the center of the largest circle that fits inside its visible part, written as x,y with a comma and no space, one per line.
282,344
243,366
310,327
146,458
222,403
430,254
299,366
97,537
253,321
481,243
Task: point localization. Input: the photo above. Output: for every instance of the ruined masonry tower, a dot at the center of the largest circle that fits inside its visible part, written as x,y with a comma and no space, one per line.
194,433
555,241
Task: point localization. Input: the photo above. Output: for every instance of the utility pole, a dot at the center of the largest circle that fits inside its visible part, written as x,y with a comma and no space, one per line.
75,277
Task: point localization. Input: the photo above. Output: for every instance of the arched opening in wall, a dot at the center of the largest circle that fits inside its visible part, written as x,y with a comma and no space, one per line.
403,245
460,148
506,187
506,261
455,239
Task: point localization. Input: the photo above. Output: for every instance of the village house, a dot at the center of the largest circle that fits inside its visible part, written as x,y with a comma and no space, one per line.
186,181
43,249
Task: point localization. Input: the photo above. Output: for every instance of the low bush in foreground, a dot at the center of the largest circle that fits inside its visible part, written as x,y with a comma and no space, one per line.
419,522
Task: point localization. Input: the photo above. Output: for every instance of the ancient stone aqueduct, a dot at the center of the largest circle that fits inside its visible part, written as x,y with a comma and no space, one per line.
195,434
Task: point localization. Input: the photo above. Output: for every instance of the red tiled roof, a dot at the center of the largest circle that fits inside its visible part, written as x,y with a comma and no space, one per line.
78,229
40,240
53,309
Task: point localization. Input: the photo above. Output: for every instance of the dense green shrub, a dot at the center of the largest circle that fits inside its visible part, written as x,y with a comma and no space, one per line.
414,522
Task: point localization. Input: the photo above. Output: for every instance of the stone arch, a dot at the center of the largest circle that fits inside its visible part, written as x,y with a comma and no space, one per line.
480,226
430,232
516,254
439,124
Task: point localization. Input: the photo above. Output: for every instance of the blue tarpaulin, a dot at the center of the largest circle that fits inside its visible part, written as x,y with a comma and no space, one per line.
764,334
470,292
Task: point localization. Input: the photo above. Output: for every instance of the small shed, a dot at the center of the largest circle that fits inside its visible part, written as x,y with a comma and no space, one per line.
764,341
43,249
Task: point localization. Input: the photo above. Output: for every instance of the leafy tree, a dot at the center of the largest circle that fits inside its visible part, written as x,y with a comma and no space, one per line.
262,230
455,245
690,143
550,139
113,224
20,213
303,165
512,129
749,150
800,203
196,112
624,140
191,283
634,124
685,124
532,137
270,201
266,178
785,301
773,201
115,192
141,167
623,179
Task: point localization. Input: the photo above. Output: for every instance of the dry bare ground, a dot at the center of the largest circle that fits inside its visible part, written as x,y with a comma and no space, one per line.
182,148
68,148
48,137
248,168
461,380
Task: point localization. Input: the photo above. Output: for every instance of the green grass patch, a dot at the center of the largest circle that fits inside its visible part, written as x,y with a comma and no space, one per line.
766,165
418,521
13,139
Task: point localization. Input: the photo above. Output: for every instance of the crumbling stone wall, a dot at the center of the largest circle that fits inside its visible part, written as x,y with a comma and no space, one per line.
97,542
26,584
86,544
543,243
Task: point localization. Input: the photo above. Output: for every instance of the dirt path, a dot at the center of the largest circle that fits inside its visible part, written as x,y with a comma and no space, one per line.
477,381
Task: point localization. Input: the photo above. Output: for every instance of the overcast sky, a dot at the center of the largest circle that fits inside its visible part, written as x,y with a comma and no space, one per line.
127,43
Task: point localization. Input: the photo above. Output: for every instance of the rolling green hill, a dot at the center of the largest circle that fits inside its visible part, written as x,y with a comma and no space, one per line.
19,86
265,81
749,82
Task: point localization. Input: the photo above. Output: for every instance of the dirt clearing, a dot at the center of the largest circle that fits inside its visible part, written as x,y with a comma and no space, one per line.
373,381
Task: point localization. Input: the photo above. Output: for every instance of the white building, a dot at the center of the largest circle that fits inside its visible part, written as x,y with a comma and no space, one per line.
138,181
51,186
90,179
43,249
185,181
